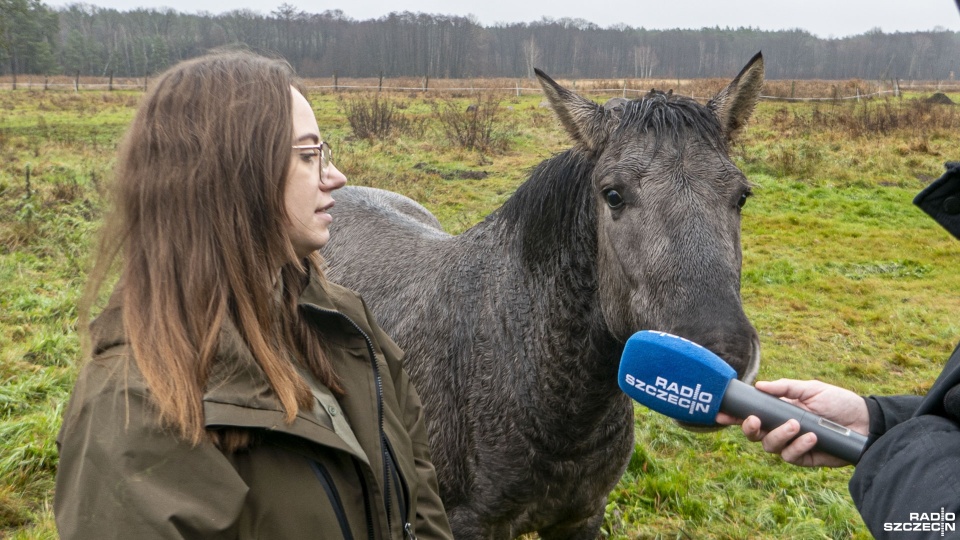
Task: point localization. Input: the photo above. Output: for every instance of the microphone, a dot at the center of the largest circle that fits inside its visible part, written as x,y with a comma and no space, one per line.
687,382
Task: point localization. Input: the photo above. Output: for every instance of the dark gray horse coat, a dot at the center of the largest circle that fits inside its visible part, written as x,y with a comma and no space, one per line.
513,330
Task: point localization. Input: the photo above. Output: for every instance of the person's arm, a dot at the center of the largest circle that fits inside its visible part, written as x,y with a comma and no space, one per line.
914,468
432,522
120,476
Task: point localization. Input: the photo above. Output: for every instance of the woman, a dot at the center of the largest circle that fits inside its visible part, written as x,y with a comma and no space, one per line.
232,392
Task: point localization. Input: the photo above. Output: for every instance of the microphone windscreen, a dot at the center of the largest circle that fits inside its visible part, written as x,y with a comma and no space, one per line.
674,376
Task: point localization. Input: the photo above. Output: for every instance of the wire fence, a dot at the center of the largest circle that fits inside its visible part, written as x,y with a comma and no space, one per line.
782,90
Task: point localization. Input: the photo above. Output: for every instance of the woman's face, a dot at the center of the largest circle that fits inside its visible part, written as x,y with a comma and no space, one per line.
307,196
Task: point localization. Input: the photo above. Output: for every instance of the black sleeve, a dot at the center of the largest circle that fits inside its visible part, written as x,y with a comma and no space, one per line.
914,468
888,411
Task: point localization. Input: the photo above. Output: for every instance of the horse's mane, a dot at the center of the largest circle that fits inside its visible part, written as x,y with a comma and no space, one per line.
551,210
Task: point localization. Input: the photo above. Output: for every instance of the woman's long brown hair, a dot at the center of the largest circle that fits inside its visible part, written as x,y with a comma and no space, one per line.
199,223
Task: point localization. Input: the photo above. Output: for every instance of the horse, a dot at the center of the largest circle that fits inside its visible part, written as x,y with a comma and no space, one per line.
513,329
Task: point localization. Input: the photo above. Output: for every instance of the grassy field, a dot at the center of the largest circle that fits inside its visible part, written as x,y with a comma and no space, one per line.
845,280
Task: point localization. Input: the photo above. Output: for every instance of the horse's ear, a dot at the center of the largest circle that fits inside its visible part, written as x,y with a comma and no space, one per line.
587,122
735,103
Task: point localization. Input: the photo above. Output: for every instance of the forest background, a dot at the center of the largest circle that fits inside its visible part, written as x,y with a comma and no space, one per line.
81,39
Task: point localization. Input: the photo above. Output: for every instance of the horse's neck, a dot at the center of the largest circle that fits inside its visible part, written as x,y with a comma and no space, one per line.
548,231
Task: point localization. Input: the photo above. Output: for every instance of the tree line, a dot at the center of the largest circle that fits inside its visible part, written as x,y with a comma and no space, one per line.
81,39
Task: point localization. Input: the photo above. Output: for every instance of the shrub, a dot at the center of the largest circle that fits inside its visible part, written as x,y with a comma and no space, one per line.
369,117
473,127
373,117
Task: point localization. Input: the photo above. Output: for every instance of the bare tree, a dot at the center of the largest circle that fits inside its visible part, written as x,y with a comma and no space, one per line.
644,60
531,55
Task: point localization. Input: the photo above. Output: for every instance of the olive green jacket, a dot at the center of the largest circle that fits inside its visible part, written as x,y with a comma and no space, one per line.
122,476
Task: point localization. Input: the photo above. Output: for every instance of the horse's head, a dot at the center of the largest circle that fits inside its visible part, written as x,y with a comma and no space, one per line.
668,204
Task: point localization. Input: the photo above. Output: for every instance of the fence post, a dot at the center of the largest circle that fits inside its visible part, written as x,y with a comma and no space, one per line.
336,84
46,81
110,86
380,86
624,89
76,82
518,88
14,79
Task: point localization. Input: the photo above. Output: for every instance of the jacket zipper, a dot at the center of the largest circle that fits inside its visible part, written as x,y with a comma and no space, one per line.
387,459
334,496
366,499
402,496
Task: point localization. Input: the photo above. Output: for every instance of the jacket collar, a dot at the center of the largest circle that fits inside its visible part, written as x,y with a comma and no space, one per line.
333,300
238,393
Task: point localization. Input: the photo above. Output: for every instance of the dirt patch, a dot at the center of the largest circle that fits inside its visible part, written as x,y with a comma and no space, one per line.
940,99
459,174
468,175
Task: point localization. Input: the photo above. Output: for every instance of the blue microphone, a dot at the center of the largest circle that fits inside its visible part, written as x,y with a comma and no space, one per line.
687,382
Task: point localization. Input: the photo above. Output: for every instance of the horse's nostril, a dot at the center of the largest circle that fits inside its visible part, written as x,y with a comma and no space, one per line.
741,353
743,356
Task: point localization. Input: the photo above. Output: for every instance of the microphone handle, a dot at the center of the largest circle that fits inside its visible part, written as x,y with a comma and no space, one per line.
742,400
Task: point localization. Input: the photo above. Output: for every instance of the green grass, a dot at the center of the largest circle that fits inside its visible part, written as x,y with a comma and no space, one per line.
844,279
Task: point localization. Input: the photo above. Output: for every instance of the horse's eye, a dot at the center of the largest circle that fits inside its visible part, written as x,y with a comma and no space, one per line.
743,199
614,200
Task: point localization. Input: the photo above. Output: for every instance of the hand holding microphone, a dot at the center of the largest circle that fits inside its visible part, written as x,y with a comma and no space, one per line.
838,404
687,382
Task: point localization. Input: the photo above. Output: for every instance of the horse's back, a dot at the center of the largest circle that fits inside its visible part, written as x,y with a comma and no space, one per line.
380,204
380,221
384,245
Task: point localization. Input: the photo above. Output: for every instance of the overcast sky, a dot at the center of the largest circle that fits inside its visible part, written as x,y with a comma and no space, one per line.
825,18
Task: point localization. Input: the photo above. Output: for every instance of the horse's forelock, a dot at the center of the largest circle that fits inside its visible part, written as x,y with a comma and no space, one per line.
670,117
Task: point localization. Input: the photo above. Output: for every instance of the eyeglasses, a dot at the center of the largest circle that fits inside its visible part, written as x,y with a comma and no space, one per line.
322,150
